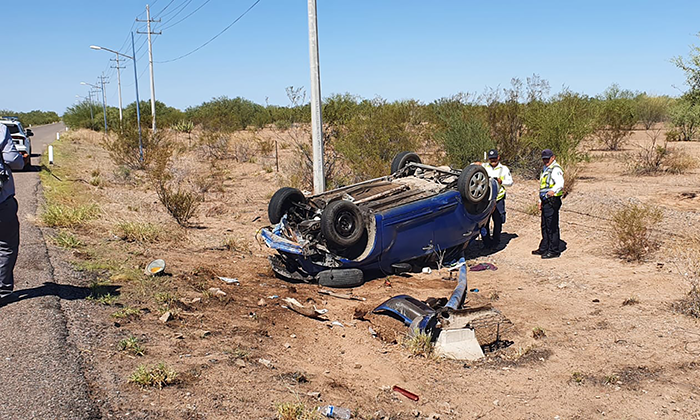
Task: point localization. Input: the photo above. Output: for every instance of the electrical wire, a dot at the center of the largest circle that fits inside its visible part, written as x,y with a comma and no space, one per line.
215,36
191,13
177,9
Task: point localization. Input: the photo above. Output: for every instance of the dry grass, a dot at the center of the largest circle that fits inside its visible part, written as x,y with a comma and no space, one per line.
419,344
688,256
145,232
157,376
679,162
67,216
631,231
296,411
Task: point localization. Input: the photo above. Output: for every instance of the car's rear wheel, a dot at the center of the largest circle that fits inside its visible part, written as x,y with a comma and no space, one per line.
341,277
342,224
283,200
402,159
475,187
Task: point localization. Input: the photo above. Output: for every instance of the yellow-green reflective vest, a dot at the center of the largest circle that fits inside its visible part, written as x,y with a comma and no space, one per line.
546,182
502,189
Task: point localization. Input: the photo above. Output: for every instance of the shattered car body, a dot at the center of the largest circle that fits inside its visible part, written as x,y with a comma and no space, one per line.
382,224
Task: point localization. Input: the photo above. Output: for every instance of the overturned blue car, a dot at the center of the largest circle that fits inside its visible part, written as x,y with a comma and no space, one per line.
380,226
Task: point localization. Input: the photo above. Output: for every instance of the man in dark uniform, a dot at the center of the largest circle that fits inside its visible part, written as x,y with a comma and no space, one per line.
551,186
9,223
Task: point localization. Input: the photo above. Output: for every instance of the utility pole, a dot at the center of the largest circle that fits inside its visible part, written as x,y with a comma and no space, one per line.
92,116
150,62
119,86
104,100
316,119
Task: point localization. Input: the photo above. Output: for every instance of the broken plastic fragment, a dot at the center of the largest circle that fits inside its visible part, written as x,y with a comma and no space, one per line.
229,280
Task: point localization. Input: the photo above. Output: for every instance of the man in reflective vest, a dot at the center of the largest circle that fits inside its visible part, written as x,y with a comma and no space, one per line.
551,186
500,173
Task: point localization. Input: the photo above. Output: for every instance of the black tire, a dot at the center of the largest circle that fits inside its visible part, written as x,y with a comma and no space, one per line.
342,224
341,277
474,186
402,159
282,201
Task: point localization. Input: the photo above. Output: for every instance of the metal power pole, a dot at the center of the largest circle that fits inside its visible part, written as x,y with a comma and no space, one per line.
104,101
119,86
138,105
316,120
150,62
92,116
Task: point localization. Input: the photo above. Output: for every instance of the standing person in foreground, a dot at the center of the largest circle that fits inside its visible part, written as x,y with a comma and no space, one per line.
551,185
9,223
501,173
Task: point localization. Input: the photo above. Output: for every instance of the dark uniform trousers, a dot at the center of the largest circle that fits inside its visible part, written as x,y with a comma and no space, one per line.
550,225
9,243
499,218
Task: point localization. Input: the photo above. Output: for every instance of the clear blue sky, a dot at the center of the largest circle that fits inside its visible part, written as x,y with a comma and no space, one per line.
394,49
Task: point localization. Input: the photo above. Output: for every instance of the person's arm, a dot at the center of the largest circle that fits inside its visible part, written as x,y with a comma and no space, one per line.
507,179
13,159
558,178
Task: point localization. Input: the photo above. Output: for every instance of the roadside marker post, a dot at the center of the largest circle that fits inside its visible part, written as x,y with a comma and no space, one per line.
58,135
50,155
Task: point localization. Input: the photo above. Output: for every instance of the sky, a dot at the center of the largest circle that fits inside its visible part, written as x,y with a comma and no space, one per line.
396,50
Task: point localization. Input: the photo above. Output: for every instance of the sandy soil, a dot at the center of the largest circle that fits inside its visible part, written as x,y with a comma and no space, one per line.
241,355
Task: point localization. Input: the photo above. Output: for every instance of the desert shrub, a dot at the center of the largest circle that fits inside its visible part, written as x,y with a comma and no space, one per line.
679,162
124,148
688,260
651,156
560,124
616,117
652,110
685,118
464,140
180,203
226,114
215,144
504,115
243,150
631,231
571,173
184,126
419,344
370,140
266,146
158,376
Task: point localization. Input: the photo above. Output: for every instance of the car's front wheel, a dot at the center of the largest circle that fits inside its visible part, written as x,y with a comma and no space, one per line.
475,187
282,201
402,159
342,224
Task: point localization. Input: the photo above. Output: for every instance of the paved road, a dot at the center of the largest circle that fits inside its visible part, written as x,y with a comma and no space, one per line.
40,373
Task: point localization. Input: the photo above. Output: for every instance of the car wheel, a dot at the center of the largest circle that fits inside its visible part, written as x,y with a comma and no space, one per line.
474,186
342,224
402,159
342,277
283,200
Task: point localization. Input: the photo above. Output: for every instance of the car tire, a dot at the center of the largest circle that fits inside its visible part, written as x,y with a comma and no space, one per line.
474,186
342,224
341,277
402,159
282,201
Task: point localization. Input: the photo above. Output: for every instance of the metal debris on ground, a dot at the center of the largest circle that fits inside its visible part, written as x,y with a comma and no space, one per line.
337,324
341,295
408,394
310,312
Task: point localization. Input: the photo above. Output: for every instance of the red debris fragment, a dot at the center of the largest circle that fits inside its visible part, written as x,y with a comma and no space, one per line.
407,394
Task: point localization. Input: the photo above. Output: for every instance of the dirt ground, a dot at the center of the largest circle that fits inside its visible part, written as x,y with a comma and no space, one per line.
241,355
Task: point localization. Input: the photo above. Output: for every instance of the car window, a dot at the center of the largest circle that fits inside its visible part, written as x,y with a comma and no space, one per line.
13,128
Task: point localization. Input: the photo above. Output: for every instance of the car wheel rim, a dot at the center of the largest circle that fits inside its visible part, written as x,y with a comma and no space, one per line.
345,224
477,185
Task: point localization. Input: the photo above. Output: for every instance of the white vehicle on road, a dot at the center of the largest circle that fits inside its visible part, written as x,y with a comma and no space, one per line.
20,136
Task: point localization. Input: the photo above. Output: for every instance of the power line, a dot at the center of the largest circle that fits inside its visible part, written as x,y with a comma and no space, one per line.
177,9
164,9
215,36
190,14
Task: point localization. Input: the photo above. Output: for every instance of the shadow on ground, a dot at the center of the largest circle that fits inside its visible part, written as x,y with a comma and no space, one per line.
62,291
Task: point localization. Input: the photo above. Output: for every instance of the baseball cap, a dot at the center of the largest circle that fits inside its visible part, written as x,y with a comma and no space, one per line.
547,153
493,154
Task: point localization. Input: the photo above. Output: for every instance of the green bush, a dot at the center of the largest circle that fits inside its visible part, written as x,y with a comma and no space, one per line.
652,110
616,117
631,231
685,117
370,140
464,140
